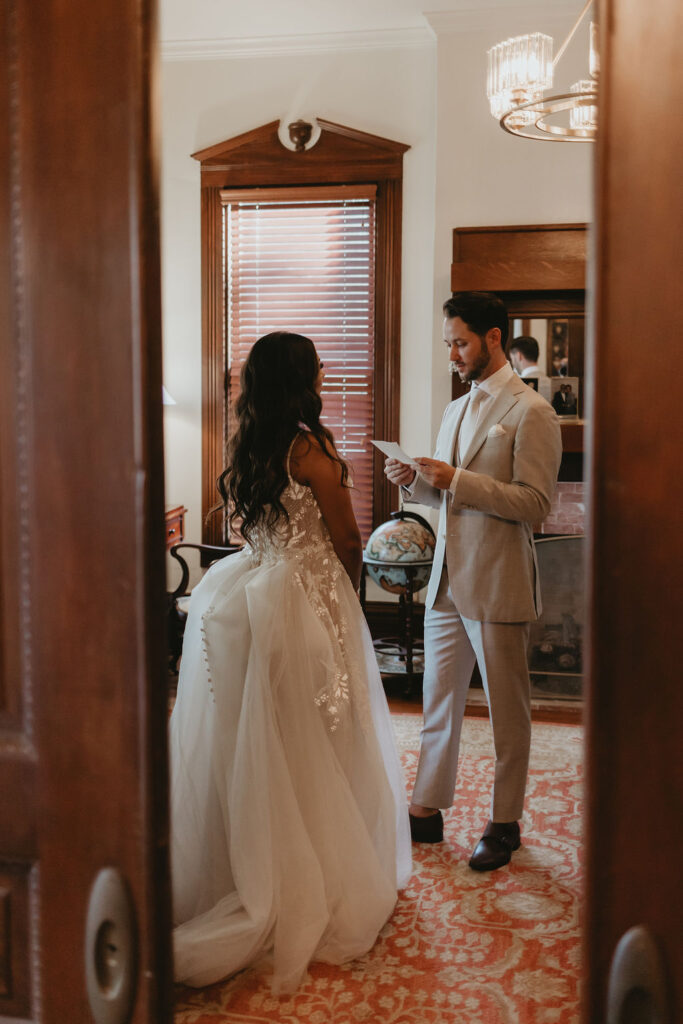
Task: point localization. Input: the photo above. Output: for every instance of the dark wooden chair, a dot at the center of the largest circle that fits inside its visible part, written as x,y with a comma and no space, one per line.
178,600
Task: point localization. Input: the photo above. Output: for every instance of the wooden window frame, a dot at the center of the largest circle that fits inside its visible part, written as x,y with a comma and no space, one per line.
257,159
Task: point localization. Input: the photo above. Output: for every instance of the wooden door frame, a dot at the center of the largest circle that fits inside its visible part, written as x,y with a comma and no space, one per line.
83,689
634,771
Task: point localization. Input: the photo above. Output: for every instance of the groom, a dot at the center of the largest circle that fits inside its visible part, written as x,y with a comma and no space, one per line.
492,477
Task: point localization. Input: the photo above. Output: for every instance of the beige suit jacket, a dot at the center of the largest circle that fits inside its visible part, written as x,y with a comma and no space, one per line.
506,485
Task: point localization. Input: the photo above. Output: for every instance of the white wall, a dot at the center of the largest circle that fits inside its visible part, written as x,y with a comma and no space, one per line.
461,170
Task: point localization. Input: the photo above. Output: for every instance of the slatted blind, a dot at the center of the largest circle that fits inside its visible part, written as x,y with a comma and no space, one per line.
303,260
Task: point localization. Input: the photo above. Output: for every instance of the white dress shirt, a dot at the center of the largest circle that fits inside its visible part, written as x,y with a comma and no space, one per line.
486,391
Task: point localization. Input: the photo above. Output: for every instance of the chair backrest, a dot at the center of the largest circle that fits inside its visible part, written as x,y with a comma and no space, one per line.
214,552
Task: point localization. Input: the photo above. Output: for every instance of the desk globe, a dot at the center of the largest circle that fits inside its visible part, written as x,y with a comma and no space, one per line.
398,556
404,541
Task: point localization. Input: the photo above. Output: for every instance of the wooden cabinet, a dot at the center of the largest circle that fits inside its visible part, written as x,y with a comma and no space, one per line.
175,525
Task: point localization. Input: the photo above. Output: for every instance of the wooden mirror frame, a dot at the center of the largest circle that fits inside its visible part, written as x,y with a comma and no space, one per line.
539,271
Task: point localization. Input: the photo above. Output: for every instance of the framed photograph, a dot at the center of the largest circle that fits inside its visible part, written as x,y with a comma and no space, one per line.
564,396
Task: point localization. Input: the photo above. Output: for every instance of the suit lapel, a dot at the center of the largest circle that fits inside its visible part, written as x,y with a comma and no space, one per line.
501,404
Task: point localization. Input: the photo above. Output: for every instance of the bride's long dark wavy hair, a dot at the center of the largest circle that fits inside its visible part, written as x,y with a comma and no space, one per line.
277,397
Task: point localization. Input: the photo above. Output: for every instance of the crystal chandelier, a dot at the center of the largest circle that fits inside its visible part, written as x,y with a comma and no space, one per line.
520,70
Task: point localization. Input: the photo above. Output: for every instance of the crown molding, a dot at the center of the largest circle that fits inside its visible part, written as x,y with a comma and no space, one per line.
296,45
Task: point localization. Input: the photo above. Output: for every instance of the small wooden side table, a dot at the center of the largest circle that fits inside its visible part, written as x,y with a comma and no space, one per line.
175,525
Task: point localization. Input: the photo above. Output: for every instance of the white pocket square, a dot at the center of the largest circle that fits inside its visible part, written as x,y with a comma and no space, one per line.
496,430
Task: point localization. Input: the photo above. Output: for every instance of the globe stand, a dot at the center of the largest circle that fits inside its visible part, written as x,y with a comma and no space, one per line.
404,647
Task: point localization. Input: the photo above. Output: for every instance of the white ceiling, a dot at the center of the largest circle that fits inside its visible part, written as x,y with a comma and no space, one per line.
255,19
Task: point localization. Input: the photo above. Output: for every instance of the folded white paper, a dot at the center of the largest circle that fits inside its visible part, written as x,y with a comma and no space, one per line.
392,450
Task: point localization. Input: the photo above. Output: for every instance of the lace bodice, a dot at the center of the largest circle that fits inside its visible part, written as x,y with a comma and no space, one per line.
304,540
304,536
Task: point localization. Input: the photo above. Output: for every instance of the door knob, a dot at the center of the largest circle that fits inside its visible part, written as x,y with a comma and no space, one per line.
636,991
110,949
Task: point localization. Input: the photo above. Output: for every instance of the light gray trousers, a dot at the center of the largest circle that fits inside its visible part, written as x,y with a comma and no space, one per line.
452,645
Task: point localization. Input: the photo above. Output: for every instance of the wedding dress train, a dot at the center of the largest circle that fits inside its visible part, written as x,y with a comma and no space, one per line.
289,824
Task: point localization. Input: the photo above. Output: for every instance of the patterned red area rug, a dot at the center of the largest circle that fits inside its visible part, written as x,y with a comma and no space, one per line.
461,947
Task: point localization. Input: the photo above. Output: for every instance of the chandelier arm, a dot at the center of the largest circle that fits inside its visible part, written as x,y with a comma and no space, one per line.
569,38
552,105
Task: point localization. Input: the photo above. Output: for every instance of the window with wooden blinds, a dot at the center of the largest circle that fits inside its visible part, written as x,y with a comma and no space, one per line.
303,260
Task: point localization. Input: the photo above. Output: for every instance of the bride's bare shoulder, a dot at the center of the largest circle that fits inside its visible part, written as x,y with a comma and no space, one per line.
306,457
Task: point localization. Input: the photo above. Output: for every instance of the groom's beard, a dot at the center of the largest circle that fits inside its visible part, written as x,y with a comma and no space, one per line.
480,364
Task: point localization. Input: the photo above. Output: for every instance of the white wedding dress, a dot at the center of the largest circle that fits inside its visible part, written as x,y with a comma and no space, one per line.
290,829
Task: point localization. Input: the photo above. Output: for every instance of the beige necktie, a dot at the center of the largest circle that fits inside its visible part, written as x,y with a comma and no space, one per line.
468,425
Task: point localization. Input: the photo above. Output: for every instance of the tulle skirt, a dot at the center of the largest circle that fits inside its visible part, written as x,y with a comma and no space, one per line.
290,830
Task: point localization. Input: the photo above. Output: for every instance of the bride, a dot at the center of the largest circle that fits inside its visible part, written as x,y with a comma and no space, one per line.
289,830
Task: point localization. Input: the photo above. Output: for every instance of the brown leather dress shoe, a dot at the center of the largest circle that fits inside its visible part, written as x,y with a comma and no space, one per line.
496,846
426,830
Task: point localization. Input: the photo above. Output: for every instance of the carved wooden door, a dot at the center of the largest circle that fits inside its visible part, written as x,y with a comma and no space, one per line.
635,712
82,702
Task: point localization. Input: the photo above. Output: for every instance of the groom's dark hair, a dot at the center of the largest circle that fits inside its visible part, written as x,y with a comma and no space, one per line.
480,311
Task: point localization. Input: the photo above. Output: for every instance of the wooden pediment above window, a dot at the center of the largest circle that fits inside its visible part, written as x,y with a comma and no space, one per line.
341,155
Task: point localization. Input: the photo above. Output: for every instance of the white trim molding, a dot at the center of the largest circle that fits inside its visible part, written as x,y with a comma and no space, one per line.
296,45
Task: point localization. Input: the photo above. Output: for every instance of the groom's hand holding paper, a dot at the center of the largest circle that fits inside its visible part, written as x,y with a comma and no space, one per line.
392,450
438,474
399,467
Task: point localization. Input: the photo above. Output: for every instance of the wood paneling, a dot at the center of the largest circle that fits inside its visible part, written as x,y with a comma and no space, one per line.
572,437
17,944
3,640
257,158
14,494
83,713
531,257
635,697
5,943
541,304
